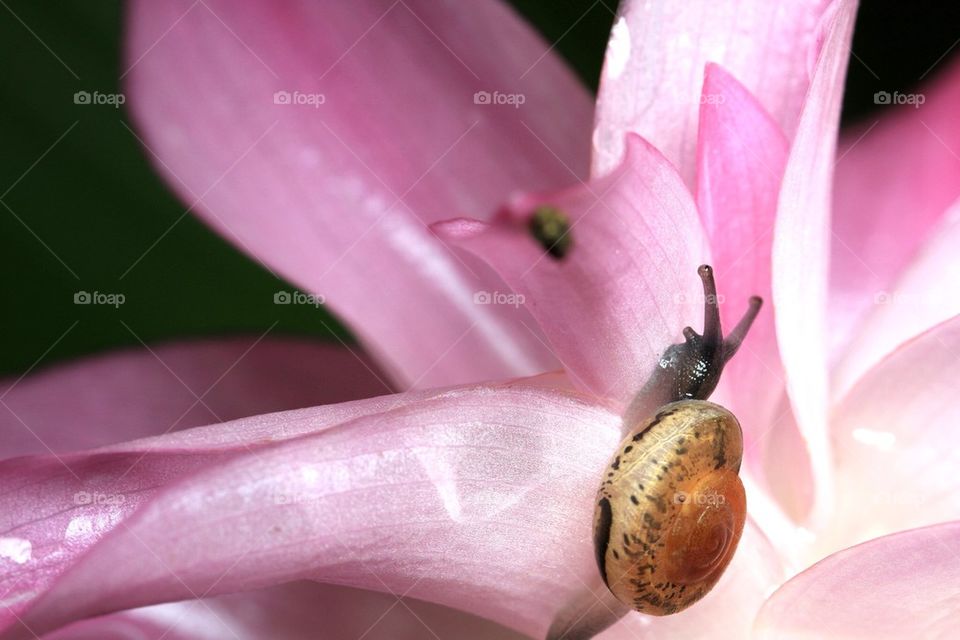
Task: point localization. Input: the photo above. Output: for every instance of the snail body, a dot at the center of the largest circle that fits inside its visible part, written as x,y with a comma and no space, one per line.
671,508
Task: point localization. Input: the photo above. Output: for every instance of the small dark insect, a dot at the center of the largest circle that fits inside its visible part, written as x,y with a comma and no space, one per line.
551,228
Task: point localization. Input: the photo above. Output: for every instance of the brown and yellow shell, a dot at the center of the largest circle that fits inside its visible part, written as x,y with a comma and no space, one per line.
671,507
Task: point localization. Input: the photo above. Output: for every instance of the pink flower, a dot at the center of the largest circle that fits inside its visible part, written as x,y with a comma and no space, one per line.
331,141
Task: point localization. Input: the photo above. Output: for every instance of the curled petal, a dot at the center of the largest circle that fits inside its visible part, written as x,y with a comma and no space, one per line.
741,157
144,392
654,69
493,482
897,445
801,248
895,178
628,284
903,585
277,427
322,138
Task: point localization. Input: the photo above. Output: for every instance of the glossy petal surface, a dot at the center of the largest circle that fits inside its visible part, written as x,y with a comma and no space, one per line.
473,481
148,391
923,295
904,585
896,175
654,69
310,136
295,611
897,446
801,248
741,158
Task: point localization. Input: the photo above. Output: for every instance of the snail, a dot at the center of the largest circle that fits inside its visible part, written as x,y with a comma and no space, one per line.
671,507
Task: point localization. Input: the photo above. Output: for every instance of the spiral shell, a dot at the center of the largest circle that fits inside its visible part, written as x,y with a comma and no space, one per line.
671,507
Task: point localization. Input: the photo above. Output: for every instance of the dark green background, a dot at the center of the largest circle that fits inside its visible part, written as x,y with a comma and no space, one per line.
95,202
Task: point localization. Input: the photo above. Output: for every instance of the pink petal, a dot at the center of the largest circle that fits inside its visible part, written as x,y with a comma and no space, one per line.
922,297
629,283
270,428
788,472
895,177
143,392
336,196
897,445
654,67
902,586
801,245
294,611
470,497
741,157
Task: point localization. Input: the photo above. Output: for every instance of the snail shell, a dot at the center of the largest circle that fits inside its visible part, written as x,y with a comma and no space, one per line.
671,507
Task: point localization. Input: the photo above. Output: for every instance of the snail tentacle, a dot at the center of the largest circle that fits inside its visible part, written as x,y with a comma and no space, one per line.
734,339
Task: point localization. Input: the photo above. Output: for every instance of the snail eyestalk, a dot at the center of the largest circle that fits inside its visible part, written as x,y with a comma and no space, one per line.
550,227
731,344
691,369
711,307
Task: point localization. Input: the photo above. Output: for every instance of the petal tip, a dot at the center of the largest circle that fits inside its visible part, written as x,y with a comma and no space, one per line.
458,229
